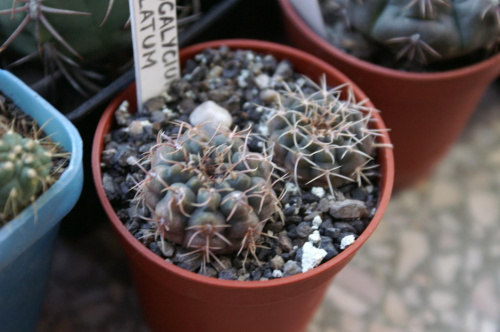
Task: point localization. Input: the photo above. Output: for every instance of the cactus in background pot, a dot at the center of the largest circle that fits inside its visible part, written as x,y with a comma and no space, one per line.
425,31
207,192
69,35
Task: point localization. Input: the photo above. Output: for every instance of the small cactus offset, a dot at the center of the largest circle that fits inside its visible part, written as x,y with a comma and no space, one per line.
321,139
427,31
25,171
207,192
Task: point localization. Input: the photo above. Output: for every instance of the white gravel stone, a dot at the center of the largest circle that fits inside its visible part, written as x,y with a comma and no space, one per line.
131,160
315,237
347,241
311,256
262,81
137,127
211,116
277,274
263,129
291,188
316,222
318,191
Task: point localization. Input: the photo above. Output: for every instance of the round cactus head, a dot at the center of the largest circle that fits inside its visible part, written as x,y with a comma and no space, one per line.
25,168
322,139
208,192
428,31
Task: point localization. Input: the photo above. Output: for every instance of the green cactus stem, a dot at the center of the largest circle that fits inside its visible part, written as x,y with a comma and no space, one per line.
207,192
25,171
428,31
322,139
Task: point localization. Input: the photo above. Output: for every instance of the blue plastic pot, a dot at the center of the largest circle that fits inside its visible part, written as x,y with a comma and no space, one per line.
27,242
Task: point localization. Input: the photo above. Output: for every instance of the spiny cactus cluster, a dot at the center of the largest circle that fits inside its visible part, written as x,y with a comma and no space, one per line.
322,139
25,171
67,35
426,31
207,192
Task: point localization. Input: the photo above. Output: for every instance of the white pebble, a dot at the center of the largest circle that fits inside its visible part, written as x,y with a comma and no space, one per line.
277,274
242,78
211,116
311,256
263,130
317,221
314,237
132,160
291,188
346,241
318,191
262,81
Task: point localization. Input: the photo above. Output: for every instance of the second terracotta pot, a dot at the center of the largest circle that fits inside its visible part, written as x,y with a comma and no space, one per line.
426,112
174,299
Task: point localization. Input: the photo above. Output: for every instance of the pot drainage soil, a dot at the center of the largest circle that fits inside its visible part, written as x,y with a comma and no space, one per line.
313,225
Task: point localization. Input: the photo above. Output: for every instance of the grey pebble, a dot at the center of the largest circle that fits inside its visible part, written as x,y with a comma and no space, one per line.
277,263
285,242
303,230
291,268
229,274
348,209
109,187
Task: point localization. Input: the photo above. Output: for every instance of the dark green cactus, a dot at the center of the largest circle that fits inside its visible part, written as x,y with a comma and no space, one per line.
321,139
427,31
208,192
25,169
69,36
80,27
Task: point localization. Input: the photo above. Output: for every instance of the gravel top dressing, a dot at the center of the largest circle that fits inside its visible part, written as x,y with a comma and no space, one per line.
288,226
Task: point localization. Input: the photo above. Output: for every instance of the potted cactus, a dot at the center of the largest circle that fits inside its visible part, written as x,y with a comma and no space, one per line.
37,174
212,200
451,44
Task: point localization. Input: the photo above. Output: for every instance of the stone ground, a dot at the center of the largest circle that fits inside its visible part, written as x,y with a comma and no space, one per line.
432,265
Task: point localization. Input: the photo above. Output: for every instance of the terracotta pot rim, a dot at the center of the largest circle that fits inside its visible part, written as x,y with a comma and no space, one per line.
289,11
386,183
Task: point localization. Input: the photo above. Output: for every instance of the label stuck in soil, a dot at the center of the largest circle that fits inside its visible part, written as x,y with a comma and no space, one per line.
156,50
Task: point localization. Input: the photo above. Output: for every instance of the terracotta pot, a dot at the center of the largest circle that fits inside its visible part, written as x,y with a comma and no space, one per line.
174,299
426,112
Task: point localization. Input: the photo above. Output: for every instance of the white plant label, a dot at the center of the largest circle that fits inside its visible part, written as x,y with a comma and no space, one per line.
311,13
156,50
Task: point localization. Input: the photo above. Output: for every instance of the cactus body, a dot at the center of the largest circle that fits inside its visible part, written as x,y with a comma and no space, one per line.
79,23
25,167
208,192
321,139
426,31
